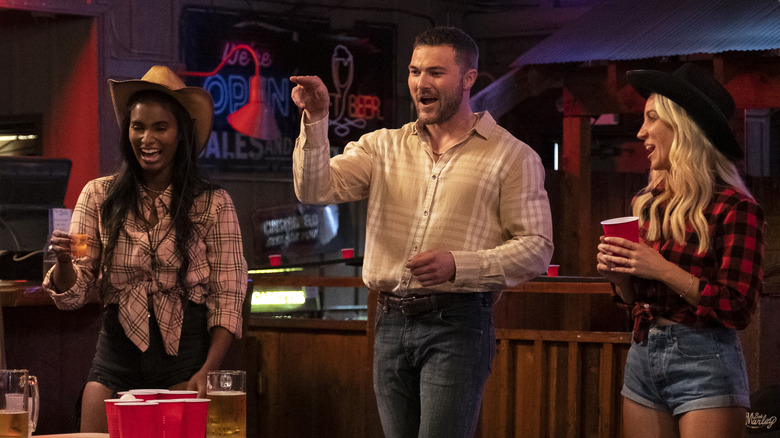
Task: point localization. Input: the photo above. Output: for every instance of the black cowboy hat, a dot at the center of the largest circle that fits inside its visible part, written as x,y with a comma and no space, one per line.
705,100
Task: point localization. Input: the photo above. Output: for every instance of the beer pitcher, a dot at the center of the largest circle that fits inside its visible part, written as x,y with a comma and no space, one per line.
19,403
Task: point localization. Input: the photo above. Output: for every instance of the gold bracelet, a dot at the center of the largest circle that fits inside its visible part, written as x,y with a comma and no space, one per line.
687,289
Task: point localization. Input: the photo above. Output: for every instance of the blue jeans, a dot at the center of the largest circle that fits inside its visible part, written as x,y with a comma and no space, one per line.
430,369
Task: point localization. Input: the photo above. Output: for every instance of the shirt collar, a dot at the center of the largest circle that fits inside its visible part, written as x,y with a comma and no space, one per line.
485,124
165,196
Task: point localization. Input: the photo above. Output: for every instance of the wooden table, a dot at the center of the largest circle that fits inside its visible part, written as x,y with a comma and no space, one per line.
74,435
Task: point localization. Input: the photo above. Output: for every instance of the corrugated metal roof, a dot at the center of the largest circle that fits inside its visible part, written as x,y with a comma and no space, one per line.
635,29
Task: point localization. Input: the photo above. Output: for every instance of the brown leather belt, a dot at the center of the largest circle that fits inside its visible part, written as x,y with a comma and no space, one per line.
411,305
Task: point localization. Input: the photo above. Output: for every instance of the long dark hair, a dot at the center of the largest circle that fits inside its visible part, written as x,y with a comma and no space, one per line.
188,182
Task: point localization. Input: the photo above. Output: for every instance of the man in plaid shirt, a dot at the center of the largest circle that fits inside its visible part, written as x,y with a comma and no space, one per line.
457,212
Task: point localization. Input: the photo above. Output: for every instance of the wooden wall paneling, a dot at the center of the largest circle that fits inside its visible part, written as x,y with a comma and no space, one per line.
268,402
591,378
561,383
359,357
606,370
302,393
545,383
574,388
255,384
762,352
315,384
560,404
549,418
534,391
526,376
29,70
576,198
526,311
497,417
577,311
337,398
754,81
620,361
612,194
57,346
592,91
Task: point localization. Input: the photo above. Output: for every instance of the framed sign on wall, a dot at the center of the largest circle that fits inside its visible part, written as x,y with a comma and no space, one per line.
357,66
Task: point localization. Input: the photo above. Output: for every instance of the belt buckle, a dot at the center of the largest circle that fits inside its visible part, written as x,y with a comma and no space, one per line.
407,300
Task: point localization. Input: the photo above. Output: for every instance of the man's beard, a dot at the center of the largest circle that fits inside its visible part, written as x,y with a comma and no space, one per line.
450,104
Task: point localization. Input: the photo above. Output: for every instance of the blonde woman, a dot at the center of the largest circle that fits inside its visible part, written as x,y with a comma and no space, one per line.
694,277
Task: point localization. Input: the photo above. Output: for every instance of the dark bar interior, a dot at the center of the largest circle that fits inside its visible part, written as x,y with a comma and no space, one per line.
552,72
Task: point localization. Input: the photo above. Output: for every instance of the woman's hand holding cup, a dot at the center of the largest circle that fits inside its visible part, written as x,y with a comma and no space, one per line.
60,246
66,246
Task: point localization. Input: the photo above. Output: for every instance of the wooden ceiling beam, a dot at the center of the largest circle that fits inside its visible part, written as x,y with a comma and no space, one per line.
514,87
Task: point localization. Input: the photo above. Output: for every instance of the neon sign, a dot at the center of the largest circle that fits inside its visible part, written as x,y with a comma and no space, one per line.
357,65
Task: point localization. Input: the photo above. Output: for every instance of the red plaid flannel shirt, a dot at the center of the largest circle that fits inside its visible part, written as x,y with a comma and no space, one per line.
730,272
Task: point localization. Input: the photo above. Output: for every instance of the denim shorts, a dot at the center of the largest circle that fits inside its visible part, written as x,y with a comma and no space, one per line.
682,369
120,365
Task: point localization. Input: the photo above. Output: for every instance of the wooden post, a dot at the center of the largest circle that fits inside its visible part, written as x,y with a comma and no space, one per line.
577,257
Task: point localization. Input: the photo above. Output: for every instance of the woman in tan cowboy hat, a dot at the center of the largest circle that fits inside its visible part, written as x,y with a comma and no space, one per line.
164,251
693,279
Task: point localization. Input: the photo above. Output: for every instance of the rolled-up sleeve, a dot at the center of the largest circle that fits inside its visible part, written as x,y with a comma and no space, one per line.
731,296
85,220
228,268
524,213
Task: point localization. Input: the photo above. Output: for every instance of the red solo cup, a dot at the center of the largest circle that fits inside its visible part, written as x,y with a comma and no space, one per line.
626,227
196,414
170,417
552,270
275,259
112,416
167,395
137,419
143,394
347,253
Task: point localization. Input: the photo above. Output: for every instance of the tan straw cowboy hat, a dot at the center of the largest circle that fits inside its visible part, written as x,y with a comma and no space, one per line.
195,100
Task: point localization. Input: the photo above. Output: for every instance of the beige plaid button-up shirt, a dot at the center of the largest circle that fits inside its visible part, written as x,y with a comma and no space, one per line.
483,200
217,274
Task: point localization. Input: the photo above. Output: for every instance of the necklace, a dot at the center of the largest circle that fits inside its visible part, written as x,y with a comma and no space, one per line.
156,192
153,221
153,248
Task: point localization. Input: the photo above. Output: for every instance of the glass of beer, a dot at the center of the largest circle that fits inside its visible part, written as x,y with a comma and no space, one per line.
227,410
78,245
19,403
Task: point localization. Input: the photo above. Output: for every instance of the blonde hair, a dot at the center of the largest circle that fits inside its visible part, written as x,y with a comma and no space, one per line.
694,166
